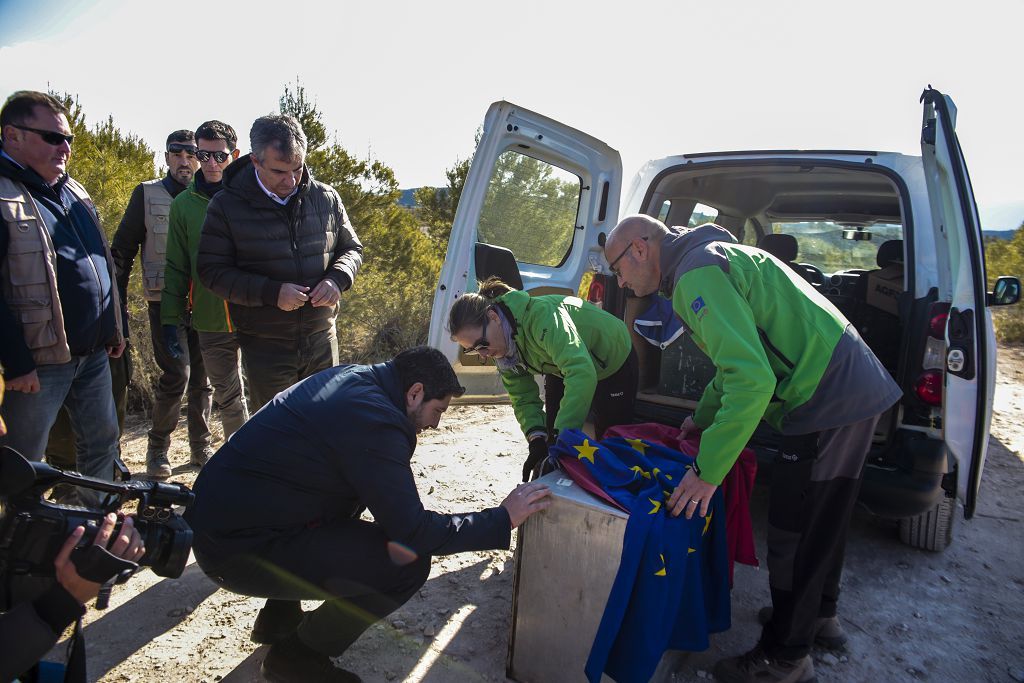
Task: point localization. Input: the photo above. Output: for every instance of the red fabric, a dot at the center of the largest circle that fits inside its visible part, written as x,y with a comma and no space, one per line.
737,486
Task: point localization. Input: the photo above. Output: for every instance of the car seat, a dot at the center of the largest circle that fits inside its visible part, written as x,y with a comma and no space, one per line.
784,247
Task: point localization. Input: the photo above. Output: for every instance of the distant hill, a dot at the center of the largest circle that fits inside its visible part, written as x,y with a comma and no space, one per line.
407,199
999,234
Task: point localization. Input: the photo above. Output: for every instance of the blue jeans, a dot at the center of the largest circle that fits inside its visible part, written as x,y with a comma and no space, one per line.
83,385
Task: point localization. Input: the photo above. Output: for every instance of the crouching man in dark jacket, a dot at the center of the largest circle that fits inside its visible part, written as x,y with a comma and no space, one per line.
277,508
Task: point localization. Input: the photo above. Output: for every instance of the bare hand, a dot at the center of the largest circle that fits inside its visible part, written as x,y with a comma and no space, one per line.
688,428
28,384
127,545
525,500
326,293
292,296
116,351
692,494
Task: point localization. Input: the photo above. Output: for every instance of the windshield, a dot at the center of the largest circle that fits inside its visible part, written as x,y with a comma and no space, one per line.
821,243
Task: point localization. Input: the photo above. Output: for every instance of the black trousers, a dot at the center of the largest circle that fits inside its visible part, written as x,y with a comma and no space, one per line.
613,402
344,562
815,481
272,365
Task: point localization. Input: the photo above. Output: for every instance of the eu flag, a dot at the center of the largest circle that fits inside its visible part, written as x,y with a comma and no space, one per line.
672,588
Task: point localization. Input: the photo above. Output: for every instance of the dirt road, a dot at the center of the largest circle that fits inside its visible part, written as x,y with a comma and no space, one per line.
911,615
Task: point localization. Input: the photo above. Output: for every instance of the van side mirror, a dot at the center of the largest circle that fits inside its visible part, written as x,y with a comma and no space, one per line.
1006,292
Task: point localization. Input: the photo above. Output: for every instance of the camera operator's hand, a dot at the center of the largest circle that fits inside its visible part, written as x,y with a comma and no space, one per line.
538,453
127,545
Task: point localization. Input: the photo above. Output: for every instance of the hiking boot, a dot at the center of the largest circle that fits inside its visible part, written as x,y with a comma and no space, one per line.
201,456
157,465
828,632
757,667
276,621
292,660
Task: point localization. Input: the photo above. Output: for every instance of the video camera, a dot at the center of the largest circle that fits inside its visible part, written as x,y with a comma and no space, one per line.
33,530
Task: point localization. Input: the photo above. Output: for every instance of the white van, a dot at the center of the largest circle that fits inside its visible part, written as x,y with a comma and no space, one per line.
892,240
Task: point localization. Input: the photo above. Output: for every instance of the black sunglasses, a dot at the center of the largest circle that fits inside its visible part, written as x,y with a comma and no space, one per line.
50,137
219,157
482,342
611,266
176,147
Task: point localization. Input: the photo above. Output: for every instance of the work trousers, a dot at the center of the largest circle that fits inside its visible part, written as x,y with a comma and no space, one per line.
273,365
175,375
613,400
344,562
222,360
814,486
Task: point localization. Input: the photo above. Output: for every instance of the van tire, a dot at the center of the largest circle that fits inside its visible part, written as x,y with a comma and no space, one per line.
932,530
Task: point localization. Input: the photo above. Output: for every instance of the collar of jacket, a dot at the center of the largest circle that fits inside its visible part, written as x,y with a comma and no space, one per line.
680,241
200,186
173,187
240,179
31,179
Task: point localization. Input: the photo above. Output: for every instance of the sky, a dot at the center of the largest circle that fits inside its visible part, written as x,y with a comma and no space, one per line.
408,83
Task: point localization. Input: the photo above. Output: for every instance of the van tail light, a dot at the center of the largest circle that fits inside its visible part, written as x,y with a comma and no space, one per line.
595,293
937,321
928,387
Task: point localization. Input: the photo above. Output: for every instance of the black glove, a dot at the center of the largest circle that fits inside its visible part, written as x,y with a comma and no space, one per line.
538,454
171,341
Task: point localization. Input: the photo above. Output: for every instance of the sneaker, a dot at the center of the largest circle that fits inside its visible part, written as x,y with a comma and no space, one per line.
828,632
292,660
202,456
757,667
157,465
276,621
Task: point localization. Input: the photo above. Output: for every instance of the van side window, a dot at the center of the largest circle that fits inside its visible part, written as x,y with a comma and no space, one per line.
530,208
702,213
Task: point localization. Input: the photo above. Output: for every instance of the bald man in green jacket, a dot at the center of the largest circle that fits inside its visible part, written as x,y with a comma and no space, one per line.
783,354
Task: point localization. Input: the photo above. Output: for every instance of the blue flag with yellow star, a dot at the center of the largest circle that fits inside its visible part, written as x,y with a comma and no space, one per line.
672,587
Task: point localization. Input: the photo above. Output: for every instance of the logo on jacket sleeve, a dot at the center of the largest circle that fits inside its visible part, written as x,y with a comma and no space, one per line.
698,307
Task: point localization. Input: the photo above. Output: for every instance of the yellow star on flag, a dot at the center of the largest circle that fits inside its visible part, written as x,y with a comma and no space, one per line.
656,504
664,568
657,471
638,445
690,550
707,523
639,472
586,451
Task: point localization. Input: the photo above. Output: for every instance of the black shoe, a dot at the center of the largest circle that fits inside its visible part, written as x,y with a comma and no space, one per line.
292,660
276,621
757,667
828,632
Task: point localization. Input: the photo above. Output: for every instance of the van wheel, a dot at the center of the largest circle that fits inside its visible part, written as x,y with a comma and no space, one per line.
932,530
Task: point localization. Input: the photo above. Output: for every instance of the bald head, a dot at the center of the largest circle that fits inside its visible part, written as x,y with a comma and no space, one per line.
632,251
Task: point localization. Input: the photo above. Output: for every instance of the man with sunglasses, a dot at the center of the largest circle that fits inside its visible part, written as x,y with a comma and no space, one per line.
144,228
184,296
60,314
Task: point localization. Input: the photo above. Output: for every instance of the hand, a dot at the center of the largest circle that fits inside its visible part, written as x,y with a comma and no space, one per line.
171,342
292,296
525,500
692,494
28,384
688,428
127,545
116,351
326,293
538,453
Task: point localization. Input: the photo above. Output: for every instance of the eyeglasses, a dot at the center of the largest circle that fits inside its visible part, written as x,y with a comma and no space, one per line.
611,265
177,147
482,342
50,137
219,157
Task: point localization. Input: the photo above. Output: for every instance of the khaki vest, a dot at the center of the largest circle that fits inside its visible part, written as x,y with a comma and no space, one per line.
29,274
157,208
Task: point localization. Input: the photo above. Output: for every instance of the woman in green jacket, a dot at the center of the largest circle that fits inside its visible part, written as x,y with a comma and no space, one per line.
585,354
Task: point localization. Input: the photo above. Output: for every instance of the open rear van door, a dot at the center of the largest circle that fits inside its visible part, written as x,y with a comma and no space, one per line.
971,347
537,196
